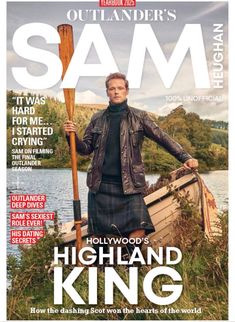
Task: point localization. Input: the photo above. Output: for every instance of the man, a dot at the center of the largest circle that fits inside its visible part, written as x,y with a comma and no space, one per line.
116,177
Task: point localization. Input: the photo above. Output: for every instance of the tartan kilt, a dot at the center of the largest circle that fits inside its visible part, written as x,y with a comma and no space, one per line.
112,212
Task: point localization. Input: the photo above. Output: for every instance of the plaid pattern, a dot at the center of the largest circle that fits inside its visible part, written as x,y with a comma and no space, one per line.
112,212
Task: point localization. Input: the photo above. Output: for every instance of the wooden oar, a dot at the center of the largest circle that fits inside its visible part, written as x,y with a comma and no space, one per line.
66,49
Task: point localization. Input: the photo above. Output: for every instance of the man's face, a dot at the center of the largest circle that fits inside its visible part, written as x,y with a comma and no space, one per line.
117,91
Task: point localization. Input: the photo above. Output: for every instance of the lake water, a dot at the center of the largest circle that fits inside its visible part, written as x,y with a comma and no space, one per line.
56,184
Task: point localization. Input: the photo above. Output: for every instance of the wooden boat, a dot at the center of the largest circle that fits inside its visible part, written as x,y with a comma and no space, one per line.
164,205
162,200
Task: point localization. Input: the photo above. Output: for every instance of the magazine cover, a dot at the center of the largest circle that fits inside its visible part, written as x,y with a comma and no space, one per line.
117,160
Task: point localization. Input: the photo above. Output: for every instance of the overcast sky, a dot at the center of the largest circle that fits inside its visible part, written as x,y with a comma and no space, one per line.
152,93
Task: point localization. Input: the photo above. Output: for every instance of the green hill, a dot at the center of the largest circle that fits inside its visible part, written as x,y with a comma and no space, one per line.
220,136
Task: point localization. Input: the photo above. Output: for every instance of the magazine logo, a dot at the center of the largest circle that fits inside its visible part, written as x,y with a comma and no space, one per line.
144,39
117,3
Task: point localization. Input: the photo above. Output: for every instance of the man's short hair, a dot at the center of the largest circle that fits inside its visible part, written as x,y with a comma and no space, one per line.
116,76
